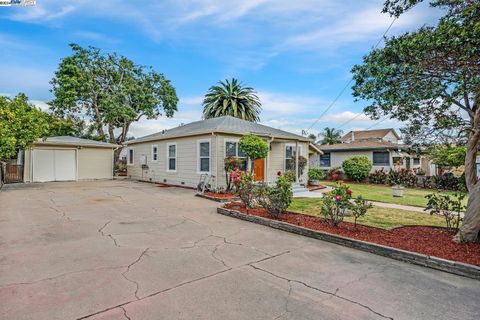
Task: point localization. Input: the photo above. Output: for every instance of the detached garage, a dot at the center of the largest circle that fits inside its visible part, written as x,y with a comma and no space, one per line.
68,159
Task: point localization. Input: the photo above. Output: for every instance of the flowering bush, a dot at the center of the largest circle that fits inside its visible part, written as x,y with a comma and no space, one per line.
275,199
231,164
336,203
290,175
378,177
403,177
244,186
334,173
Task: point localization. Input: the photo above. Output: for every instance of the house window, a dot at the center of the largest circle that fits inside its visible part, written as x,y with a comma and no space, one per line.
203,156
290,155
154,152
325,160
232,149
381,158
172,157
130,157
416,161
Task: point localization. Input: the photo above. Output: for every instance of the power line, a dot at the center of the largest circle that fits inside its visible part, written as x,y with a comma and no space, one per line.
377,122
348,83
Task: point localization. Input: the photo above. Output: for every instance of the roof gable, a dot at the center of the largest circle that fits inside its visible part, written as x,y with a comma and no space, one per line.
369,134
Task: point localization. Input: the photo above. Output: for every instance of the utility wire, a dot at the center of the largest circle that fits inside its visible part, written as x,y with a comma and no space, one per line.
348,83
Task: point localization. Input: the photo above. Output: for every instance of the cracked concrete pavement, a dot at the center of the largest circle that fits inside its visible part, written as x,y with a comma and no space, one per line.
130,250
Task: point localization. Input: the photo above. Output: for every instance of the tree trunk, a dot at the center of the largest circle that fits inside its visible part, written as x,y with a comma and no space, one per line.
469,231
116,155
111,133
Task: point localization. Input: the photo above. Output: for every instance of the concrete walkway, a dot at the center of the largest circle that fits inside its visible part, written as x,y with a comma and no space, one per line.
126,250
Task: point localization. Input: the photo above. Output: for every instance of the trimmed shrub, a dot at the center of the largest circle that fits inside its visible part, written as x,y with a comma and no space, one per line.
357,168
254,147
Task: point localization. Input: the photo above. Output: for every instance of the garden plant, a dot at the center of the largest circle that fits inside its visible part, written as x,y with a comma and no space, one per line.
449,207
357,168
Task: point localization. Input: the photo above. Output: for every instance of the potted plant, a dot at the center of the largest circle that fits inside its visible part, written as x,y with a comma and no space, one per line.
314,175
397,191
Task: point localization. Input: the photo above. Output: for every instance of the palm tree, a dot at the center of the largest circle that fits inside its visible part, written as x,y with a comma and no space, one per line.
231,98
331,136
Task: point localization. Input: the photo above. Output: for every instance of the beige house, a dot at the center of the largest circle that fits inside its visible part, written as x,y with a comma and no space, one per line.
68,159
180,156
381,146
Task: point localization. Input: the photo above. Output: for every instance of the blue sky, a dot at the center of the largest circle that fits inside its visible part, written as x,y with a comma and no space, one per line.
296,54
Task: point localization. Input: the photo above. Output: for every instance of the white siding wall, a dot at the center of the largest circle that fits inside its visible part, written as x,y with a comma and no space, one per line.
337,158
390,136
187,161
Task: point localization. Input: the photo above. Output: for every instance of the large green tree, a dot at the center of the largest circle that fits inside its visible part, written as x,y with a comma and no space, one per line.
331,136
431,78
232,98
21,123
110,91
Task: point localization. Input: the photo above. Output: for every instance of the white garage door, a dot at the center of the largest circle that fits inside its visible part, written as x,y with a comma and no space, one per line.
54,165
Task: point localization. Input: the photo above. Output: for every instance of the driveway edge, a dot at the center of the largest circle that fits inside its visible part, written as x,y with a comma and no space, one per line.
458,268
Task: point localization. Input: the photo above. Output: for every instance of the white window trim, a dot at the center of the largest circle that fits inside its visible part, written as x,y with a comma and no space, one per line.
154,146
168,157
209,156
128,157
237,141
285,153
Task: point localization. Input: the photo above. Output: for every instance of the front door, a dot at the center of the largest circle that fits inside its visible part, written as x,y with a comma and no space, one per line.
259,169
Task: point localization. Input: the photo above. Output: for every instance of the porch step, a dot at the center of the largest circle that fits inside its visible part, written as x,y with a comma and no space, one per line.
296,188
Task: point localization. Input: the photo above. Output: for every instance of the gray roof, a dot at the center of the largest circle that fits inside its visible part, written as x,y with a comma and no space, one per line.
225,124
74,141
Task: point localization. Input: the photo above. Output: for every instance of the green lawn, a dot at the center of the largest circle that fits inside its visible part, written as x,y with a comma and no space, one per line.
386,218
382,193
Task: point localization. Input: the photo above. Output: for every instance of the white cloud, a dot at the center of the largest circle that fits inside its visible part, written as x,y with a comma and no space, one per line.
40,104
345,116
354,26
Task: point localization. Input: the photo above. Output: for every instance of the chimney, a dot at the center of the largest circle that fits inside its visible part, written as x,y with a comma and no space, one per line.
353,136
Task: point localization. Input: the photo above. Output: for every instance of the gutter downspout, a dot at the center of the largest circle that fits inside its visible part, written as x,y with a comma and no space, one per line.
296,161
216,159
268,159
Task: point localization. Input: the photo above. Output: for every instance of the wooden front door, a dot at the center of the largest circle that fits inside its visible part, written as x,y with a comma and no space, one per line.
259,169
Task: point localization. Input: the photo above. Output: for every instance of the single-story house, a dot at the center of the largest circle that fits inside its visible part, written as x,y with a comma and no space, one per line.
381,146
180,156
67,158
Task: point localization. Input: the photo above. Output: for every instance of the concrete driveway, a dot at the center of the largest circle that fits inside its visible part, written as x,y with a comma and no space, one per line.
127,250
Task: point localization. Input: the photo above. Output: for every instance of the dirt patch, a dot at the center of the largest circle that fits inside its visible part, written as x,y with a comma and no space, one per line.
432,241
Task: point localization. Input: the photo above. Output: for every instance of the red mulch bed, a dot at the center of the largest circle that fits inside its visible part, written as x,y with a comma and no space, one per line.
432,241
221,195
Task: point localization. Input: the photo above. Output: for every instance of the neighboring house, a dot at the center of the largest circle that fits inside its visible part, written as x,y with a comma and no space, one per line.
382,147
67,158
181,155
